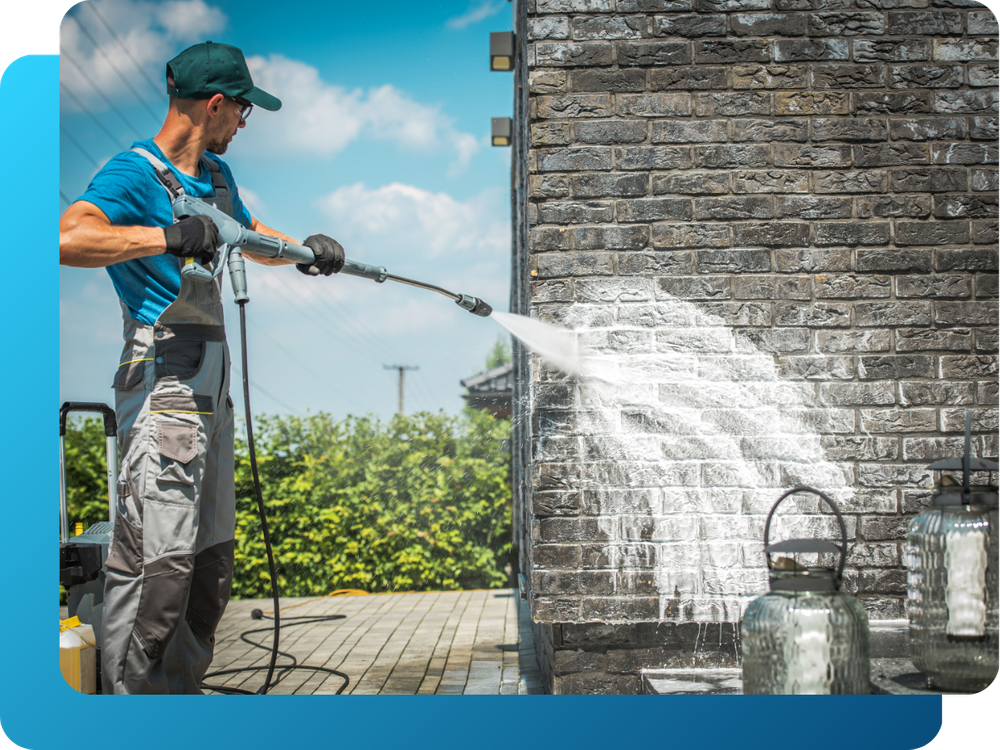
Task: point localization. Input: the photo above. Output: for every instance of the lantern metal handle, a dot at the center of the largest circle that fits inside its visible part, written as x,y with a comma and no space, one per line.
836,510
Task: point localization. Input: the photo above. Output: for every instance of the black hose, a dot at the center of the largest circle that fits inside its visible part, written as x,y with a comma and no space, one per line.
270,563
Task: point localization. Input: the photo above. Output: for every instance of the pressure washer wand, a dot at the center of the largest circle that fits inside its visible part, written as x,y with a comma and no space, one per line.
237,237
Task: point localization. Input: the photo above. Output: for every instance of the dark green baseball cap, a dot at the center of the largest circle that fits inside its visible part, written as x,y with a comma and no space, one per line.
207,69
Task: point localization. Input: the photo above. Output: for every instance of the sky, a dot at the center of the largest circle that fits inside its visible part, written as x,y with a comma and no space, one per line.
382,143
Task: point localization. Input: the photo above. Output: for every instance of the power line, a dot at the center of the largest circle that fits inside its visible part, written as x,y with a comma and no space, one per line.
159,92
402,369
63,196
76,143
65,53
115,68
91,116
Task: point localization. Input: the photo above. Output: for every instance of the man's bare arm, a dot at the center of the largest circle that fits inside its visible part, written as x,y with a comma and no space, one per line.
88,239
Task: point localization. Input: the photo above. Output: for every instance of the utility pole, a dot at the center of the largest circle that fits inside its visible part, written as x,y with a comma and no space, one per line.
402,369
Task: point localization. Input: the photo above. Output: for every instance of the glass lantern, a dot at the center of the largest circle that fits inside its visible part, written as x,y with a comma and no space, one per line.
805,637
951,579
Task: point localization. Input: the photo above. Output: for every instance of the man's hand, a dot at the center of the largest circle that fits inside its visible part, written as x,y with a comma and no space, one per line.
329,256
193,237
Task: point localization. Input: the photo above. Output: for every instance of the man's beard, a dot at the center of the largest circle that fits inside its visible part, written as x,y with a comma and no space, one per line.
217,147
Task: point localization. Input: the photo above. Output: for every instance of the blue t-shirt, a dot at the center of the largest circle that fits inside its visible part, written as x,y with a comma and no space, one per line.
129,193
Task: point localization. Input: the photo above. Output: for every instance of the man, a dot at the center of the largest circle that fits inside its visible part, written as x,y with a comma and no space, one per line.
171,557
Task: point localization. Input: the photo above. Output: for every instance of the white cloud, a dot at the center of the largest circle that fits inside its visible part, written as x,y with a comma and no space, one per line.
321,118
151,32
476,13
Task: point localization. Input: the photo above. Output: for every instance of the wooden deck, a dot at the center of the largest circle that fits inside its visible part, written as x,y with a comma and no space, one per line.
440,643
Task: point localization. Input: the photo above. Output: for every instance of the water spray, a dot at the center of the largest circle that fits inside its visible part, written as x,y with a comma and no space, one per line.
237,237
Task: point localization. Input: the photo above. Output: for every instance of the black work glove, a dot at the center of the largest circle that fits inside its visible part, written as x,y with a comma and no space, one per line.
329,256
193,237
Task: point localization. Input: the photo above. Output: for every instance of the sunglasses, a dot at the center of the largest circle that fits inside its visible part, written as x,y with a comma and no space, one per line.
245,108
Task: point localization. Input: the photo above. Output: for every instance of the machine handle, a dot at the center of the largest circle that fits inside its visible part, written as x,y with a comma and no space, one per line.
110,421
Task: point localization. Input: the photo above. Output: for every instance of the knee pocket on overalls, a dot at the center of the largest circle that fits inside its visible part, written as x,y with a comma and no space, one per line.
125,554
165,583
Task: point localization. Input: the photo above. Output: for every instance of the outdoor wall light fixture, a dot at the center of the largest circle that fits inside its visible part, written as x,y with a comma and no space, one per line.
805,637
502,50
951,577
502,127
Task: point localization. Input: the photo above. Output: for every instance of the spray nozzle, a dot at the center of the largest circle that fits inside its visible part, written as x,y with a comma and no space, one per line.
474,305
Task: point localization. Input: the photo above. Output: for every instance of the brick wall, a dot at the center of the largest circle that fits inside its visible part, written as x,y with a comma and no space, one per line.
802,193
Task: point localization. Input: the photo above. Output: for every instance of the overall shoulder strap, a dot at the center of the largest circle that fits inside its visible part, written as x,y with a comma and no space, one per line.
163,174
219,183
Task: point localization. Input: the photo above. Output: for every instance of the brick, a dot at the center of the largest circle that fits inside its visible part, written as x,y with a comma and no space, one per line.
985,180
972,259
856,394
901,206
888,4
767,24
849,129
689,131
891,50
966,313
732,51
690,235
550,134
987,340
982,22
848,76
556,503
812,4
852,286
931,232
929,180
851,234
984,128
555,556
771,234
554,265
567,662
776,340
608,184
612,290
812,207
963,153
891,154
800,50
573,106
548,238
749,207
925,23
608,81
812,260
693,79
573,582
894,261
572,55
853,341
690,25
548,186
548,81
560,212
732,261
646,54
551,291
983,75
609,131
548,28
731,156
962,102
693,287
771,287
925,76
574,6
770,181
812,103
932,449
901,102
846,24
928,129
656,264
933,286
987,393
891,582
647,158
731,5
873,181
691,183
573,159
983,420
609,27
653,209
770,131
816,368
609,238
965,206
774,76
899,420
965,50
924,340
986,285
791,155
885,314
895,367
929,393
654,105
816,315
881,529
728,104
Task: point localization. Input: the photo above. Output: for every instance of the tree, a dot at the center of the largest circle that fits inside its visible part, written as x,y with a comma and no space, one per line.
499,354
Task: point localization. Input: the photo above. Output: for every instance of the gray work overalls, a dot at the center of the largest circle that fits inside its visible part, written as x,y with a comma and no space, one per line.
170,562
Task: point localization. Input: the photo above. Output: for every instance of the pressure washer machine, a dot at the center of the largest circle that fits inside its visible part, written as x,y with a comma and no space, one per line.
82,557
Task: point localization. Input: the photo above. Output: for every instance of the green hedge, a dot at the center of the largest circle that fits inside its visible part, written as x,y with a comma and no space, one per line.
418,503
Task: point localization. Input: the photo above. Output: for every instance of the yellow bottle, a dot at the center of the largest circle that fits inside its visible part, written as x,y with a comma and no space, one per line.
78,655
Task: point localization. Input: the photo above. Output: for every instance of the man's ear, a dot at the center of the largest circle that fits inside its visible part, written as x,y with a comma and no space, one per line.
215,104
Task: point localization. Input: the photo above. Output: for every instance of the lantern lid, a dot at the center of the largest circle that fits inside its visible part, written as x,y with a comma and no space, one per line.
805,580
966,493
